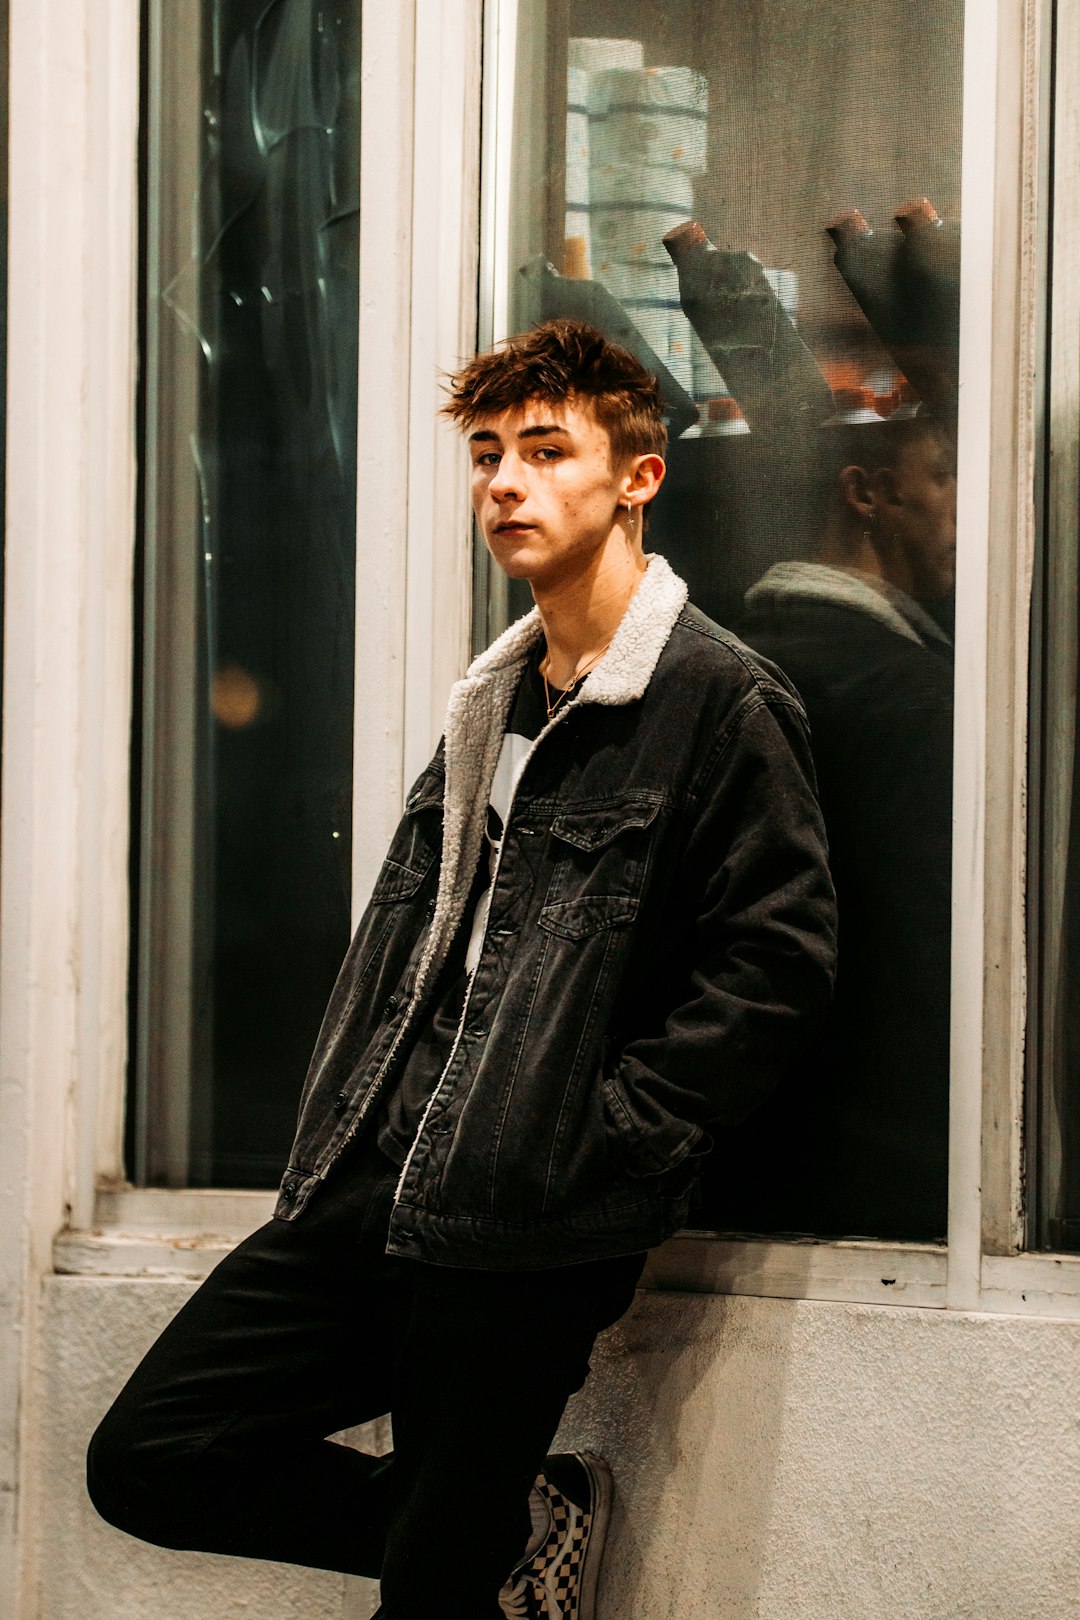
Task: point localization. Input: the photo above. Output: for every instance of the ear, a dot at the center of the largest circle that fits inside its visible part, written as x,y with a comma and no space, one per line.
857,489
641,479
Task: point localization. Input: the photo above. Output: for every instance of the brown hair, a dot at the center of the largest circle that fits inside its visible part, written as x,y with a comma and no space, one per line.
565,361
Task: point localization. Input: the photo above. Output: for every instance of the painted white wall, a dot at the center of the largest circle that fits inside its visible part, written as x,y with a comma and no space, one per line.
775,1460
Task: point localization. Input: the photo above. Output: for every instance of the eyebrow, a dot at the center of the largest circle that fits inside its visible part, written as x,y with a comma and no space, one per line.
543,430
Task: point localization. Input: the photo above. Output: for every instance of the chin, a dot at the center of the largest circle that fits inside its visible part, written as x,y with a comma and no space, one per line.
515,565
526,560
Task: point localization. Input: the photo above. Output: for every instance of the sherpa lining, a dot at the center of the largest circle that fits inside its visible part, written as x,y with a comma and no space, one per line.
476,720
842,587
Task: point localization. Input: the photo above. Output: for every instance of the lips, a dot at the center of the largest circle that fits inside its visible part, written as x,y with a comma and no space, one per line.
512,528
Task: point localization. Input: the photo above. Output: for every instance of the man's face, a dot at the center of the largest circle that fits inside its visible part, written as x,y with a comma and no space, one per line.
544,491
917,518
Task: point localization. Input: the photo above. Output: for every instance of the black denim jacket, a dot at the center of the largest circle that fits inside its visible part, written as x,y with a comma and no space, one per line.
659,945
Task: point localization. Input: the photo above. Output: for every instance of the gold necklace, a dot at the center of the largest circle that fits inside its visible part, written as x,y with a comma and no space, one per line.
578,674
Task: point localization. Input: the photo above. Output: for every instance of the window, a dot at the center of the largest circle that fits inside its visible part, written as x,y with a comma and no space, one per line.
421,97
763,201
249,363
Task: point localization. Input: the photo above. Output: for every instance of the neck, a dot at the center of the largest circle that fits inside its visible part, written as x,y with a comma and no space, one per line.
581,613
854,549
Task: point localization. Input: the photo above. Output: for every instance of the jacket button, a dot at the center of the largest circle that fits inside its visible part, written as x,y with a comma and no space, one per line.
341,1102
430,909
390,1008
288,1191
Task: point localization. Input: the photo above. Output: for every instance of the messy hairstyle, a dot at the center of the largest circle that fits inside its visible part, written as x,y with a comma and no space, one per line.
565,362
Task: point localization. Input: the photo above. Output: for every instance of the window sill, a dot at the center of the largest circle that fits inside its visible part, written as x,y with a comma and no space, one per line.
854,1272
182,1234
160,1232
1032,1285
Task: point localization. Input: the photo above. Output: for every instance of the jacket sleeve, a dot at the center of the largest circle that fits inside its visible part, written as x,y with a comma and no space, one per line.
760,923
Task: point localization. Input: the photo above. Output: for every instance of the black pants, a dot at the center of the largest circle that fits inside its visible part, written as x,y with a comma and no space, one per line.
217,1442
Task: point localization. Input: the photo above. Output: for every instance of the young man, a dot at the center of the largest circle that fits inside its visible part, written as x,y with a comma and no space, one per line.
604,925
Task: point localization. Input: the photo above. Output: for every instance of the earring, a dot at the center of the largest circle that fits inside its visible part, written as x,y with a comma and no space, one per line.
629,518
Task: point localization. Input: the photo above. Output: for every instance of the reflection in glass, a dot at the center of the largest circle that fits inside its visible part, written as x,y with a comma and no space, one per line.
856,1140
251,271
1052,1103
762,202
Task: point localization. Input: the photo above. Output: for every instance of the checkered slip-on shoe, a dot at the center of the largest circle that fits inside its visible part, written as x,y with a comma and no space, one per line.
558,1581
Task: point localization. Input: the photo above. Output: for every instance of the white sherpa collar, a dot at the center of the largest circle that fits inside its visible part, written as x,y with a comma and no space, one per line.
843,587
628,664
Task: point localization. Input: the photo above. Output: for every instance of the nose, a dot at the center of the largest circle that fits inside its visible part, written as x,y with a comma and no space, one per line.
507,482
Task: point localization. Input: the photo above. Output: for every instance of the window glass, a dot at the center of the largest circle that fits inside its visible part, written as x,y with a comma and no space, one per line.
249,338
762,201
1052,1124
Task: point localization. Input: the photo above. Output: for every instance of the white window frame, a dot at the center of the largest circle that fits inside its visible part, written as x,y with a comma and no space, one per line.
70,471
63,908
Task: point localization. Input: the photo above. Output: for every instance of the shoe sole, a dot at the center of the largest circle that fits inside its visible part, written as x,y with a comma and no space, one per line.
603,1490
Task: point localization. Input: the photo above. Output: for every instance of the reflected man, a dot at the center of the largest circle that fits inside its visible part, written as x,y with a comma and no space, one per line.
855,1142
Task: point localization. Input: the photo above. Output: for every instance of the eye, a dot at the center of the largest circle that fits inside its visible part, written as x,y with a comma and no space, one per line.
487,458
549,452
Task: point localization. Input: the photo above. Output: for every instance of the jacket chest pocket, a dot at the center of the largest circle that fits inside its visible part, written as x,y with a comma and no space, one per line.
600,858
416,844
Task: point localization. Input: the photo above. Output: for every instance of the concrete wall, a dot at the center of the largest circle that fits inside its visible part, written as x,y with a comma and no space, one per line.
775,1460
807,1461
